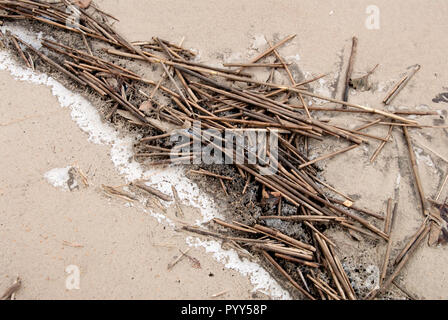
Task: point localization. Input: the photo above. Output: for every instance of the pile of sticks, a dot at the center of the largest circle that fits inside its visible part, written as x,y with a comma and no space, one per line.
224,98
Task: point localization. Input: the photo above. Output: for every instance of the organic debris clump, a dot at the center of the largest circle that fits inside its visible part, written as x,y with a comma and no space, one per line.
291,208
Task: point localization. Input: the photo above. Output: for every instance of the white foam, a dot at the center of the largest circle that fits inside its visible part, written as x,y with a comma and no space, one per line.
59,178
89,120
259,277
25,35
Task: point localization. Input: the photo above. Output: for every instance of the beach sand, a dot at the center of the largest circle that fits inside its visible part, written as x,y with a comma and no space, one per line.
125,251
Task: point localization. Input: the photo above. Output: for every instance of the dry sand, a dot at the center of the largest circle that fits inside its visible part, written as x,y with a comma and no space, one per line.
126,252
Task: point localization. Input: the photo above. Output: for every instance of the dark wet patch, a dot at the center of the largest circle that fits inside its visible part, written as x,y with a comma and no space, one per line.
355,196
298,75
340,65
427,136
387,163
442,97
438,122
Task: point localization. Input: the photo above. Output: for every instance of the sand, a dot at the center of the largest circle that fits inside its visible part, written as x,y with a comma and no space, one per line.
126,252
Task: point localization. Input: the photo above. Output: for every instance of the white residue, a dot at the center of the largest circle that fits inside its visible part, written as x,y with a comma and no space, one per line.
413,116
293,59
234,57
59,178
259,42
385,85
423,107
398,181
323,89
197,57
89,120
421,158
259,277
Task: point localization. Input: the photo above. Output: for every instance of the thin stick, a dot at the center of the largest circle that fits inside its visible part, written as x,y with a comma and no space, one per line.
328,156
351,62
397,89
333,189
382,145
309,225
270,50
415,171
149,139
287,276
388,222
51,62
22,55
300,261
303,218
234,227
394,89
217,295
410,125
283,63
349,204
323,288
211,174
355,228
254,65
224,188
357,106
162,78
386,261
284,237
333,264
388,230
335,109
368,125
432,151
411,242
442,187
84,39
178,259
401,265
153,191
406,292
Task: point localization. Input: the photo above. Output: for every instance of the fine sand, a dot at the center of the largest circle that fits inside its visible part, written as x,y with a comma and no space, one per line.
124,251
